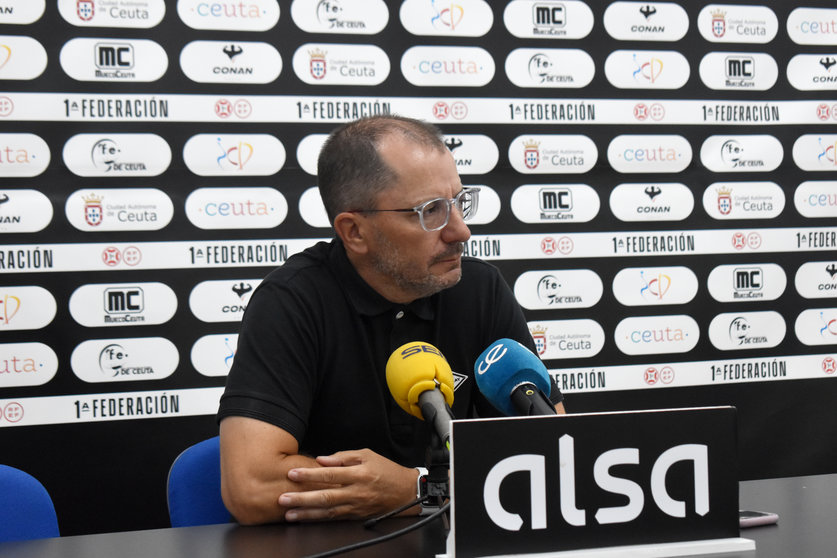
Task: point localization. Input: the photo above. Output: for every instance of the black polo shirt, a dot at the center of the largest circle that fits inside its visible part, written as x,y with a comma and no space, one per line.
315,340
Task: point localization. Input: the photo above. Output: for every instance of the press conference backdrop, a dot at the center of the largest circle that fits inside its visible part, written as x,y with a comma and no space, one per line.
658,187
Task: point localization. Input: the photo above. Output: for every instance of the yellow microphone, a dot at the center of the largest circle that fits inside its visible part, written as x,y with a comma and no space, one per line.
421,382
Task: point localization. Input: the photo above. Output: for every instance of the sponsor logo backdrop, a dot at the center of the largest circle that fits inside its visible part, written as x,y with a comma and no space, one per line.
658,184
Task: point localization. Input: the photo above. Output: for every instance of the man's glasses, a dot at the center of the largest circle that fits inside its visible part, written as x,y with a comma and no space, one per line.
435,214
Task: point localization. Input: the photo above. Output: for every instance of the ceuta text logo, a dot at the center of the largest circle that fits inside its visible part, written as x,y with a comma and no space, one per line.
236,156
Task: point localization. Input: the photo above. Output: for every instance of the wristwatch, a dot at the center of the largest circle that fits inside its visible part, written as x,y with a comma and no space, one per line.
427,507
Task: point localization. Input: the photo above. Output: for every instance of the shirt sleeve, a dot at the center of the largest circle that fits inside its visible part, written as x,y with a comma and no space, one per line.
273,375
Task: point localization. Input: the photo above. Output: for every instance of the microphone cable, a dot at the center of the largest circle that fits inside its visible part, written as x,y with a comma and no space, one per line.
384,538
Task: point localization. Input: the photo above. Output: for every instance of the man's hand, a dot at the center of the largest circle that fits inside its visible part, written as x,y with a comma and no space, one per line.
361,484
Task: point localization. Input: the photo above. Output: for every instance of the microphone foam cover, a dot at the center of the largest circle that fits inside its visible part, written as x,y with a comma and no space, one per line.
414,368
504,365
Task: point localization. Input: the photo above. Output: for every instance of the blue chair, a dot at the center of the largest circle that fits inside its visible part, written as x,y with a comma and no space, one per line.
28,511
194,486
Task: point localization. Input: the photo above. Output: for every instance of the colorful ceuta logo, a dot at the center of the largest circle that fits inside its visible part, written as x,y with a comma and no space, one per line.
5,55
656,288
11,304
827,153
448,17
228,359
724,200
829,325
85,9
719,23
318,63
539,335
237,155
531,154
649,70
93,210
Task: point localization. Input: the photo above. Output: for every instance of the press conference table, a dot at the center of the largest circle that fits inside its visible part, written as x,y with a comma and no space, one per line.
807,508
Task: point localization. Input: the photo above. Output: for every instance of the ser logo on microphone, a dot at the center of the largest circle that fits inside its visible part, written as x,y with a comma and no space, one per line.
491,358
415,349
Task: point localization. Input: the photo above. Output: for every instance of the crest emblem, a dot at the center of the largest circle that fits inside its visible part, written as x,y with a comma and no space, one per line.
531,154
719,24
724,201
318,64
85,9
93,210
539,335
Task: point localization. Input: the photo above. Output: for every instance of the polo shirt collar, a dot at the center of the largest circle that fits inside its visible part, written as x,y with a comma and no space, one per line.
365,299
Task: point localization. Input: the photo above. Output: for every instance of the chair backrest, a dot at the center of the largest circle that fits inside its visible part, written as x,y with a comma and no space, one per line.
28,512
194,486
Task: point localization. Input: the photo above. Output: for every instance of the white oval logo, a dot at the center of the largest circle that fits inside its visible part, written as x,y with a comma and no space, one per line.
117,155
119,209
473,153
447,66
812,26
813,72
23,155
651,153
653,335
561,339
312,210
308,151
142,14
817,280
221,301
555,203
726,23
25,308
647,69
234,154
247,15
655,286
236,208
748,71
550,67
113,60
124,360
23,12
553,154
641,21
336,64
816,198
743,200
489,206
657,201
817,326
533,19
123,304
755,153
463,18
21,57
26,364
552,289
212,355
746,282
23,211
230,62
816,152
351,17
735,331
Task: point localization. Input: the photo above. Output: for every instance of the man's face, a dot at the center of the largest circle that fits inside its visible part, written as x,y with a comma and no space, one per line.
417,262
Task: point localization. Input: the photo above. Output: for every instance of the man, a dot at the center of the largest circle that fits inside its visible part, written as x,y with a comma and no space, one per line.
309,430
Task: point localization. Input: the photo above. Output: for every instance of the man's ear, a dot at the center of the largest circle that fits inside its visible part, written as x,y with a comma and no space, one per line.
351,228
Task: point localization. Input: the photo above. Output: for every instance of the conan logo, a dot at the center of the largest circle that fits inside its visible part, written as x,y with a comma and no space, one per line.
535,466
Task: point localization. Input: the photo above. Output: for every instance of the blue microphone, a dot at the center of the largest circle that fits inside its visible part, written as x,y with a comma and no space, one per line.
514,379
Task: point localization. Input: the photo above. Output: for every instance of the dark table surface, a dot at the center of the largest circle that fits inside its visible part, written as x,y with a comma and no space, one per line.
806,529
